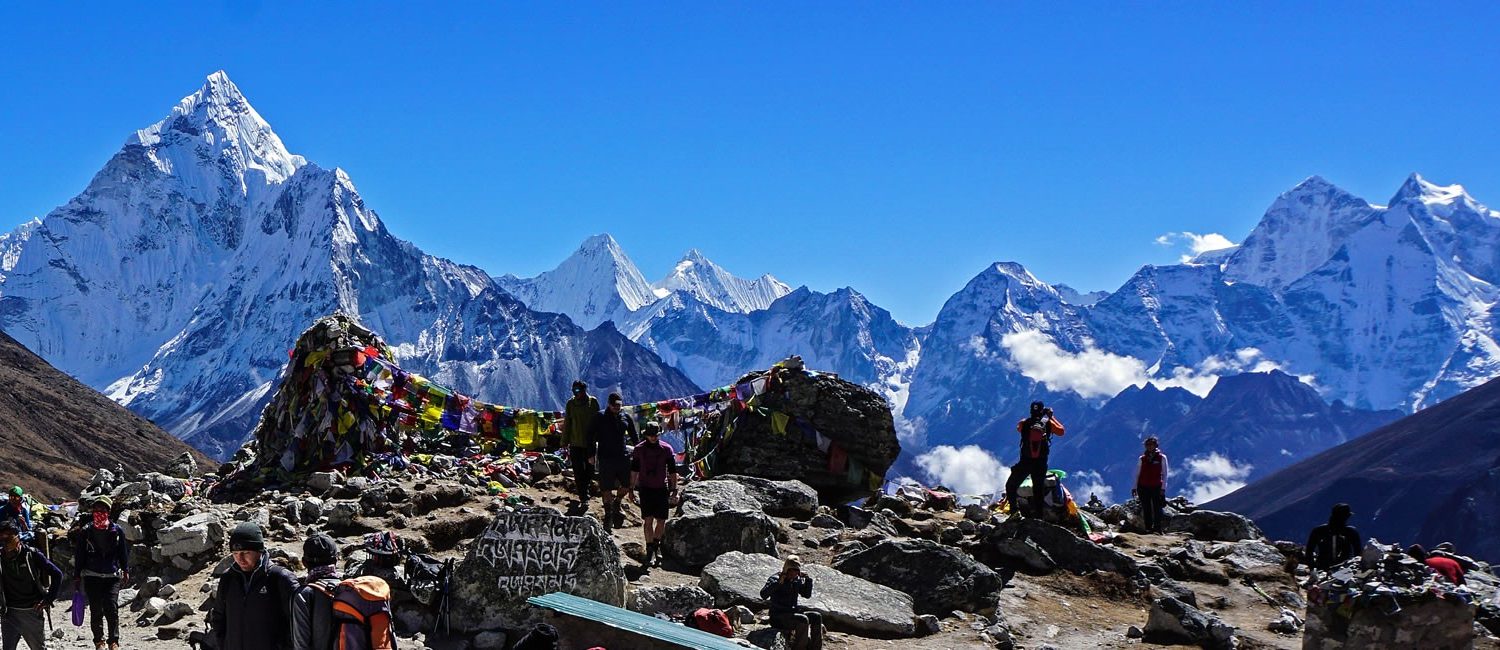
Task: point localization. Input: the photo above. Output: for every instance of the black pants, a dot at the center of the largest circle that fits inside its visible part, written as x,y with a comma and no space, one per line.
1153,499
1036,468
583,472
806,627
102,594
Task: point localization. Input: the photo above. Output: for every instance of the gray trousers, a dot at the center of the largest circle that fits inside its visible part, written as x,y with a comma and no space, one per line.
23,624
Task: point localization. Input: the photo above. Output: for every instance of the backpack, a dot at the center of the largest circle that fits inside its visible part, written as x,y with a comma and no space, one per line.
361,614
713,621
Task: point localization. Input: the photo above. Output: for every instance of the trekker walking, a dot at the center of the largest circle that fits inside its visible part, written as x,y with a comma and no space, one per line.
1036,444
613,434
653,471
1151,485
578,422
782,591
29,583
313,627
253,607
102,564
1333,542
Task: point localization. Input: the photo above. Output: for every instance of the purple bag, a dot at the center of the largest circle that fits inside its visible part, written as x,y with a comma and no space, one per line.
79,603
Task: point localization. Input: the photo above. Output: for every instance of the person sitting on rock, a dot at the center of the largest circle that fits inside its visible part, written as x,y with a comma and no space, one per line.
29,583
1443,566
1334,542
578,421
610,439
253,606
313,627
1151,485
102,565
653,471
782,591
1036,444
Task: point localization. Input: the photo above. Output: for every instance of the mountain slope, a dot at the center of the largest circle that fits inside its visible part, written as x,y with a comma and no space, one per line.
56,431
1419,479
182,274
710,284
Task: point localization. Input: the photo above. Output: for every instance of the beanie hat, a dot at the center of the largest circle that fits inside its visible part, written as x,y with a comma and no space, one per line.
104,501
320,550
247,537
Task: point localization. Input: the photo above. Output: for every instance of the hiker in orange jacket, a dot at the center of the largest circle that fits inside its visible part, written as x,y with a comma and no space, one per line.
1036,444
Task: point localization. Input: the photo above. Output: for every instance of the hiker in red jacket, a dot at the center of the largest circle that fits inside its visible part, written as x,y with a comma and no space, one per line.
1036,443
1443,566
1151,485
653,471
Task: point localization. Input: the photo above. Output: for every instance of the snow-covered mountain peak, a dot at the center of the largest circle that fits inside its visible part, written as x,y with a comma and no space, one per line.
597,283
1299,232
217,122
695,274
1420,189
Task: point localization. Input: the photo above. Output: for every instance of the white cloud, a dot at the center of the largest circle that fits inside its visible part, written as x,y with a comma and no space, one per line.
1196,244
1082,484
1094,373
966,470
1213,476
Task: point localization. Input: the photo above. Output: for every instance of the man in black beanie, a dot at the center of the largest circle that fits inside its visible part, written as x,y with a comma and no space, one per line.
253,608
312,610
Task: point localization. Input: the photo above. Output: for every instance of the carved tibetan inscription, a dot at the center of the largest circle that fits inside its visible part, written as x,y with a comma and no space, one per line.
533,554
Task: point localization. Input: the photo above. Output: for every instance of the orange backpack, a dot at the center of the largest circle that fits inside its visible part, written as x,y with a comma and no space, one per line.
362,611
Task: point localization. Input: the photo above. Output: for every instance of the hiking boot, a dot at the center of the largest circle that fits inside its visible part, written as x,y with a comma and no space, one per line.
654,555
650,555
619,515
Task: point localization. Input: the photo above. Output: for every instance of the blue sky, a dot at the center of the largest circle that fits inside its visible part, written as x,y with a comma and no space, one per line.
894,147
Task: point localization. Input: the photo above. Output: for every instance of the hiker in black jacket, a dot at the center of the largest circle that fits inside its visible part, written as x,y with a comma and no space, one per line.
253,609
28,586
782,591
1333,542
312,609
611,436
101,564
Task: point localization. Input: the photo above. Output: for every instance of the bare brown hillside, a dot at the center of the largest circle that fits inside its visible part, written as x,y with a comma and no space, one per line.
55,431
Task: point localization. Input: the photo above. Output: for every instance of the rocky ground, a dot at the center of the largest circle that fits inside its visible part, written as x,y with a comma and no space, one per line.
964,578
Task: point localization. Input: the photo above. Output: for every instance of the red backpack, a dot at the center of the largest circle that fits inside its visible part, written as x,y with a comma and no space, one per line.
713,621
362,612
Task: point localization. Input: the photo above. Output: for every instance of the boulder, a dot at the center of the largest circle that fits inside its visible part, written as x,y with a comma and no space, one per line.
192,536
1211,526
779,498
856,418
183,466
532,552
1021,554
676,601
822,520
939,579
847,603
1187,563
769,638
173,488
342,514
1067,550
1254,558
717,517
322,482
173,611
1173,621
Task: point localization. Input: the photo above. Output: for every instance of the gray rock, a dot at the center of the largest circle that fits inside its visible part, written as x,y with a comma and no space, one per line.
125,597
322,482
167,591
1173,621
976,513
1174,589
129,522
130,490
311,510
1210,526
154,606
846,602
192,536
1134,633
1254,557
779,498
822,520
951,535
927,624
939,579
1021,554
717,517
173,488
173,612
183,466
343,514
1067,550
769,638
489,640
676,601
532,552
741,614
